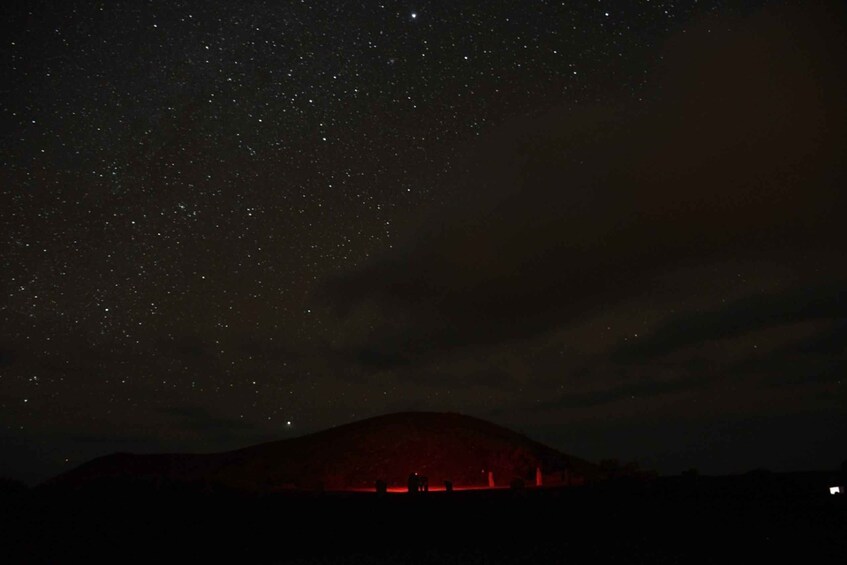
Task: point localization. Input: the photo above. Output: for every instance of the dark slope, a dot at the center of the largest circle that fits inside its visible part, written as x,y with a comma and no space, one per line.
441,446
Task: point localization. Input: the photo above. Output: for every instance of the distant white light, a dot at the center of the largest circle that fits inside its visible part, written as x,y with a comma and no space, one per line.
288,423
414,15
834,490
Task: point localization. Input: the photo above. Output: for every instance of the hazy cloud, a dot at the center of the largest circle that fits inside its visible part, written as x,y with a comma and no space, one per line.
736,157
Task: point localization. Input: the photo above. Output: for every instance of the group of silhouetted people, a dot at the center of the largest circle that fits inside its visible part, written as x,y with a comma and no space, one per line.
418,483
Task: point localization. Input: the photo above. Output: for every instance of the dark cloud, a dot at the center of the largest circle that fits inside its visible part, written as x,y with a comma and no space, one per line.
748,314
831,341
379,359
117,438
199,419
798,440
819,358
629,390
737,159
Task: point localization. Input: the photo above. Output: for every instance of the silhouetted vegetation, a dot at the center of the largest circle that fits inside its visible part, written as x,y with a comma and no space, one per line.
614,470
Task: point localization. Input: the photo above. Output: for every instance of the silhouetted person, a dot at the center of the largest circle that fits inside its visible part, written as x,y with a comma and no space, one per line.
448,486
381,486
423,484
413,482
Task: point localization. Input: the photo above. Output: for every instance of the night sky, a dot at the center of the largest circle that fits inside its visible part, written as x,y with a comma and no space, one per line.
617,227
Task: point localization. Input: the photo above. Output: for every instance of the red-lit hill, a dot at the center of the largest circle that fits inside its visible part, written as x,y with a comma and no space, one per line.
440,446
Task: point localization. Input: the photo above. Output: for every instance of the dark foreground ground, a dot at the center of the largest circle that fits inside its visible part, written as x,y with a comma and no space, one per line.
676,520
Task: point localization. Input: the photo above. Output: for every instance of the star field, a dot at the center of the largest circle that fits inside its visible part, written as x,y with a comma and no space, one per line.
190,190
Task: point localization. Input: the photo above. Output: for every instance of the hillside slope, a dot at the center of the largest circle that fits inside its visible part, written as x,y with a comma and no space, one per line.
441,446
